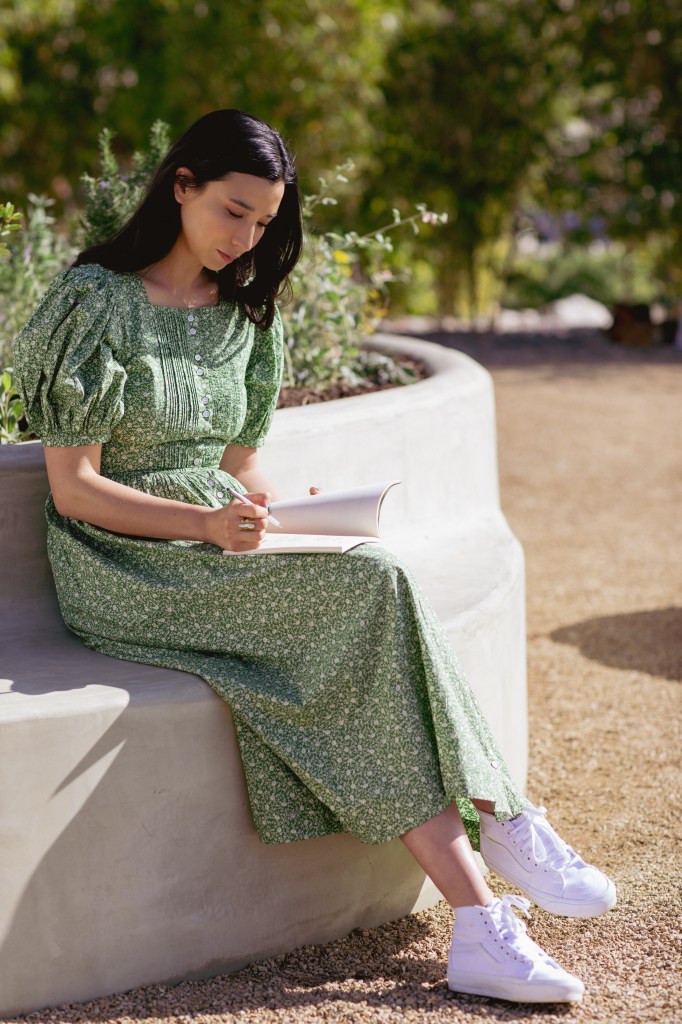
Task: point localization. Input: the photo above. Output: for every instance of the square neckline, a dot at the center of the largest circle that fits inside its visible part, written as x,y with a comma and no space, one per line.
175,309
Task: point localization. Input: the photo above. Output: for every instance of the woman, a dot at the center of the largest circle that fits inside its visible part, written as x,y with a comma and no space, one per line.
151,371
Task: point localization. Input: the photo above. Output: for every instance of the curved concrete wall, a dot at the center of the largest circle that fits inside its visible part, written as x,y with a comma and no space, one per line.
128,852
438,435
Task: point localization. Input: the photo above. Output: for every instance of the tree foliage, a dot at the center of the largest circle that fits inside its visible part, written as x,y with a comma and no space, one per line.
472,91
486,108
303,65
618,159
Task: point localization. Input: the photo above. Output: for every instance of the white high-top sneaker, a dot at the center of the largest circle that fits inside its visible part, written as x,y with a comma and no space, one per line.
528,853
491,955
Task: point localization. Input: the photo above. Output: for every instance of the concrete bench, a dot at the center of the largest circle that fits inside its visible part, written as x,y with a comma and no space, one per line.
127,849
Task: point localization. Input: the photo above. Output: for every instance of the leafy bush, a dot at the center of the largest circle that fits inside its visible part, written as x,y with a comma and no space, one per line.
11,411
340,287
38,253
9,222
340,295
26,269
112,197
606,276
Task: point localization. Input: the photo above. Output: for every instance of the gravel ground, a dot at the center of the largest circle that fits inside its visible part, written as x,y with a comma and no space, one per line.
590,440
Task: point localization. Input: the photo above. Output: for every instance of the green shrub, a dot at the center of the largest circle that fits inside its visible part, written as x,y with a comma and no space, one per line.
9,221
340,287
27,266
611,275
112,196
36,254
11,411
340,296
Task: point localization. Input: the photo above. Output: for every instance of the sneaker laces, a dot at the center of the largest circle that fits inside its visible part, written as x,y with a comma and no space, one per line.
530,828
512,929
505,917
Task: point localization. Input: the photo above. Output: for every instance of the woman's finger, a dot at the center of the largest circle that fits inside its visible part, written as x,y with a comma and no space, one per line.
247,511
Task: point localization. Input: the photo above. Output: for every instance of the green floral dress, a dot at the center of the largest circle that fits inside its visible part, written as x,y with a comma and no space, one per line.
351,711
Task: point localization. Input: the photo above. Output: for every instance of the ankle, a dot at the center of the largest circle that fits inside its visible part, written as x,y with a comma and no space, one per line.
485,806
484,899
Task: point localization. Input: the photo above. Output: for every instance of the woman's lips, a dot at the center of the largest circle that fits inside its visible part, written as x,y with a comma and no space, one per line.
224,256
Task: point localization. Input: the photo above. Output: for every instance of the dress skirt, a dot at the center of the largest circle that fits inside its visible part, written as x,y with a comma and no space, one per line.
351,710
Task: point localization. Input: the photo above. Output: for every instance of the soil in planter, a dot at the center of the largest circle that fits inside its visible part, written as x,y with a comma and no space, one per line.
290,397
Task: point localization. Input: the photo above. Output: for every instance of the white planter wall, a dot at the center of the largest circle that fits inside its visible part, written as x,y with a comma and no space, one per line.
127,849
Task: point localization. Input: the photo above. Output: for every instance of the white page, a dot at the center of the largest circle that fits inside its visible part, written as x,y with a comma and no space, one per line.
350,512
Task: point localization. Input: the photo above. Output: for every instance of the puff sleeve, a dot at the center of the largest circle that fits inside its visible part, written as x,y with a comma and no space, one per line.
68,376
263,382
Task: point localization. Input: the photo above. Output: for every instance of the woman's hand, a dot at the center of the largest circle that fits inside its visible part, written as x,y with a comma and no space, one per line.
224,523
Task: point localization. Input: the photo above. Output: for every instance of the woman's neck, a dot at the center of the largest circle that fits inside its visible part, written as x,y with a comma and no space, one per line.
178,281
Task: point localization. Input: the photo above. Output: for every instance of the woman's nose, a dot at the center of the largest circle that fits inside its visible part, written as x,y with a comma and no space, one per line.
243,237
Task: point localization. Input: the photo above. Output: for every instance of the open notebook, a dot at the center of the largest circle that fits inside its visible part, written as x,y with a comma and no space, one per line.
332,522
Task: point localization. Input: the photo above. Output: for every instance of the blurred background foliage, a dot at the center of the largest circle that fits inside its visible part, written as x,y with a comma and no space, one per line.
549,130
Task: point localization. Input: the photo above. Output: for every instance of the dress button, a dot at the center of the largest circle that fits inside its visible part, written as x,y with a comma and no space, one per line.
200,371
205,400
219,494
206,414
197,462
494,764
198,357
211,483
192,330
191,318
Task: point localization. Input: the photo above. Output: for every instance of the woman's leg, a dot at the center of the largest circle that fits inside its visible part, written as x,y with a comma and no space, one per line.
442,848
525,850
490,952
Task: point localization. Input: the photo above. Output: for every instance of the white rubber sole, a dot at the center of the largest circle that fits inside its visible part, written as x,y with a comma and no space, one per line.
556,905
516,990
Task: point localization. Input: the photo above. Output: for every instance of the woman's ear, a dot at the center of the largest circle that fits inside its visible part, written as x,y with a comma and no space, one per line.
181,189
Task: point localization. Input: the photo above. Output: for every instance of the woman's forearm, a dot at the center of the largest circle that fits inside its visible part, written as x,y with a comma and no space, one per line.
96,499
80,492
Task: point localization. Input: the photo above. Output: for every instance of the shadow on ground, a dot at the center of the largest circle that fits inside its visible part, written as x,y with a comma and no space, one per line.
646,641
311,978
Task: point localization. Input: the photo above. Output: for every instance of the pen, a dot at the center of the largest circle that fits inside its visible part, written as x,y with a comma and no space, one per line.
245,501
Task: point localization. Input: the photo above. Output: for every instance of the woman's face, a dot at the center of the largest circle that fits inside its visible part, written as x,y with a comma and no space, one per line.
227,217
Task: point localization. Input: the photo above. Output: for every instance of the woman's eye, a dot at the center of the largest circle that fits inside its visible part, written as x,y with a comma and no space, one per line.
240,216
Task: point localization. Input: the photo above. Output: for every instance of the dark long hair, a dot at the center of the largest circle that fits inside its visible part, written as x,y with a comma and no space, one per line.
217,144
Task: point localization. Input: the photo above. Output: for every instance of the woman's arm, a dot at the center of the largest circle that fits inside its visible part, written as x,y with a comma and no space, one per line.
242,464
80,492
